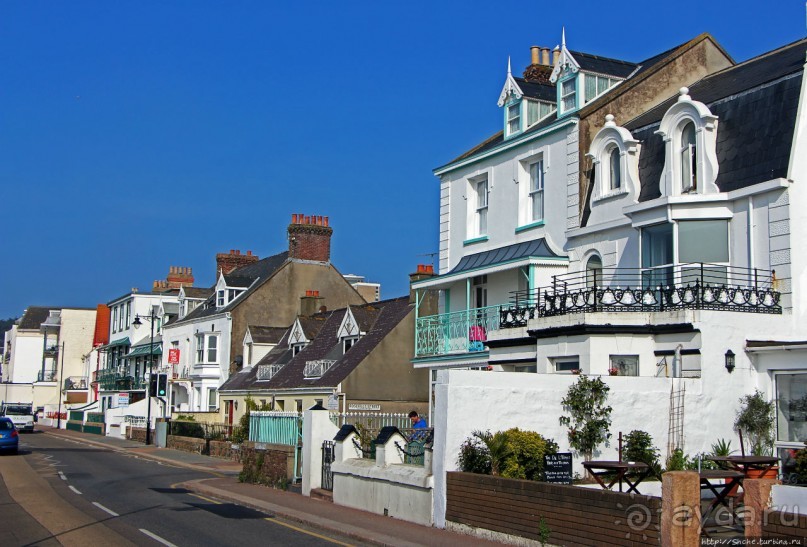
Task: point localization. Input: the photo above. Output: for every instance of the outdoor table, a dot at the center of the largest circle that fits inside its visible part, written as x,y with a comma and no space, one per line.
627,471
744,463
721,490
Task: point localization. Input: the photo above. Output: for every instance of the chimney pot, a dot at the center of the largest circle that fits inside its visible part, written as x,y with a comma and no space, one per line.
294,218
555,55
545,56
326,221
249,253
534,51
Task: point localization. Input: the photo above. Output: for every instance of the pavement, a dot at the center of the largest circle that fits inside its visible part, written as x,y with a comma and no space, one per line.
359,525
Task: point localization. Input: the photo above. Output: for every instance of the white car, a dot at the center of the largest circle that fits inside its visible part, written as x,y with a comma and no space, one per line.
21,414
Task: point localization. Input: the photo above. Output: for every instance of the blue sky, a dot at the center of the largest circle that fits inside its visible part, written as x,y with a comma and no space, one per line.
142,135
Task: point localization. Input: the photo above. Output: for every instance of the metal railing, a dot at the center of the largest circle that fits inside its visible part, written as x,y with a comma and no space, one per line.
200,430
315,369
371,420
112,379
697,286
266,372
75,382
275,427
47,375
414,450
455,332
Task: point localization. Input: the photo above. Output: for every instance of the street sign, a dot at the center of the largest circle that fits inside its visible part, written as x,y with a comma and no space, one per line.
173,356
333,402
123,399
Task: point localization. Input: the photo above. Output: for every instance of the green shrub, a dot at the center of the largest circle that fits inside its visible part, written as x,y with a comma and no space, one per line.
756,420
589,416
186,426
677,461
638,447
801,465
513,453
526,456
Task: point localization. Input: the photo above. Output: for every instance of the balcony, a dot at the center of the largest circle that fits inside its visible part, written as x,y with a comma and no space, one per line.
113,380
51,375
75,383
456,332
51,350
266,372
315,369
694,286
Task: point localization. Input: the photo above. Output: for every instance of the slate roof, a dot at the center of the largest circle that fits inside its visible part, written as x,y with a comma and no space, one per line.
535,90
266,335
386,314
260,271
603,65
534,248
33,317
198,292
589,63
756,104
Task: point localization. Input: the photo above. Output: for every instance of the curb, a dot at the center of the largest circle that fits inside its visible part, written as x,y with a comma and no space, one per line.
323,523
133,450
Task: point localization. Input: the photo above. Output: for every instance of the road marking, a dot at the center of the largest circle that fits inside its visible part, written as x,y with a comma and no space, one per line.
74,489
62,476
155,537
102,508
303,531
206,499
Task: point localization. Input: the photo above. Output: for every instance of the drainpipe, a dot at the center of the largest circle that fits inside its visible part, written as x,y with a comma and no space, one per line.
677,361
751,261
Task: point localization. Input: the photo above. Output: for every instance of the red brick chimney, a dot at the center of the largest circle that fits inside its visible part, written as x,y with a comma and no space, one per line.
310,238
428,299
227,262
179,276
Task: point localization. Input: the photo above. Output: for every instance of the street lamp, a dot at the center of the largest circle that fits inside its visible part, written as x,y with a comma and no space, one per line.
136,324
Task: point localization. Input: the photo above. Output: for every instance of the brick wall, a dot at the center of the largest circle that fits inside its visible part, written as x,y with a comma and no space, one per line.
777,524
572,515
271,464
138,434
227,262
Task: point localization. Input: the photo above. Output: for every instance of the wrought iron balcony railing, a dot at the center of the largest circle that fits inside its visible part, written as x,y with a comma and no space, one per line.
455,332
111,380
695,286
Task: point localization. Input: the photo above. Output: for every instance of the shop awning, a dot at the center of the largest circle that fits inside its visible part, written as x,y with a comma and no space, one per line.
140,351
115,343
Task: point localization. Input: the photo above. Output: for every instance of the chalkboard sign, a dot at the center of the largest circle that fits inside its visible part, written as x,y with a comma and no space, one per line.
558,468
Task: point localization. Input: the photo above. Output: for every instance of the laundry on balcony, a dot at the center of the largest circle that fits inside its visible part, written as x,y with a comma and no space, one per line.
476,338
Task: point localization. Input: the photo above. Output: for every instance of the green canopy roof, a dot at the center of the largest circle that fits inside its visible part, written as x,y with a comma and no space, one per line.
139,351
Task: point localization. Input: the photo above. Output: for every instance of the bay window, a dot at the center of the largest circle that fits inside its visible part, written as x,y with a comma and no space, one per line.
207,347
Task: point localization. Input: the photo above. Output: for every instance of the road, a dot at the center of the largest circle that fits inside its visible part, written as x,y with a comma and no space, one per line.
62,492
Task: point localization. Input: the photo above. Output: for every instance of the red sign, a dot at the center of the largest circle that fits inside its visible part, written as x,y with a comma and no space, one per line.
173,356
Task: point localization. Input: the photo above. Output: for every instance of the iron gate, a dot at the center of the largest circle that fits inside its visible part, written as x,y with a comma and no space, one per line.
327,459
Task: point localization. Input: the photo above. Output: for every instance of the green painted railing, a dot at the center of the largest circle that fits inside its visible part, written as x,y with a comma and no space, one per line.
455,332
275,427
111,380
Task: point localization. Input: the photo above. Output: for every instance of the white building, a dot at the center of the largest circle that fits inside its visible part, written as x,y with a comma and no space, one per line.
673,268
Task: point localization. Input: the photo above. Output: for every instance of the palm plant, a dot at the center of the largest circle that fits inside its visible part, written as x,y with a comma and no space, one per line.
498,446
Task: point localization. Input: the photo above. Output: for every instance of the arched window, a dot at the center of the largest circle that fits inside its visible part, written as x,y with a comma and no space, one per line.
616,171
594,272
689,158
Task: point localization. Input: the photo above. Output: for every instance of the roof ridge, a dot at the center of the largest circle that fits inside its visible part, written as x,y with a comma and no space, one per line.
624,62
753,59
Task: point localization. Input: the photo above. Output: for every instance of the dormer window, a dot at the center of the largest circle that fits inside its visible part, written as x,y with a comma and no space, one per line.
220,298
348,343
232,294
614,163
689,159
568,94
597,85
538,110
514,118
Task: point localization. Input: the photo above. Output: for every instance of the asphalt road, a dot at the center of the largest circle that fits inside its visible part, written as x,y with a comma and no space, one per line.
60,492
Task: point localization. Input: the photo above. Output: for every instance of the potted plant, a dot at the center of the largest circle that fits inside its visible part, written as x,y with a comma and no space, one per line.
613,371
755,421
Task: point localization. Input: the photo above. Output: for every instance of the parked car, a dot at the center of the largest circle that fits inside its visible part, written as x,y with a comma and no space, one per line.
22,414
9,437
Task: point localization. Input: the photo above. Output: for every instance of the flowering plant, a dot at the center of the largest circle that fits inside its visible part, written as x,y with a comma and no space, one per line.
613,371
576,371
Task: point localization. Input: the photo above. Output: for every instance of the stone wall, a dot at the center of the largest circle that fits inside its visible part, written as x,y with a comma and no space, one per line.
186,444
553,513
268,464
225,451
138,434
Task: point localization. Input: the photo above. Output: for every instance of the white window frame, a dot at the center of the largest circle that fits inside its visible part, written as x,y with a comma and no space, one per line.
564,95
203,348
565,361
513,113
537,186
481,204
220,298
615,361
688,155
614,153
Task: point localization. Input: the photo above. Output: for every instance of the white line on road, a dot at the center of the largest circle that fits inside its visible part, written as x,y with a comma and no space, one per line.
102,508
62,476
155,537
74,489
